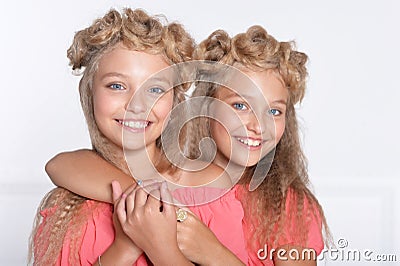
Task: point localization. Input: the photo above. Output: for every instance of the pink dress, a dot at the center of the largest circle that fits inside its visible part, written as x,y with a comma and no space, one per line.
98,234
261,256
223,216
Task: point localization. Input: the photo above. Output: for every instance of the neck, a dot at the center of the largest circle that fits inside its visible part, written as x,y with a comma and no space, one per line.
235,171
142,163
114,155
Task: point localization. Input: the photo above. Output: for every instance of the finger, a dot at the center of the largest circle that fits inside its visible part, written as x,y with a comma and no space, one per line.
130,189
151,187
143,192
130,200
166,199
140,197
120,209
153,200
148,182
116,190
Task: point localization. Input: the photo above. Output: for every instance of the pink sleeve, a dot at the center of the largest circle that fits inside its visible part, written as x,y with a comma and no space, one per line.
97,234
223,216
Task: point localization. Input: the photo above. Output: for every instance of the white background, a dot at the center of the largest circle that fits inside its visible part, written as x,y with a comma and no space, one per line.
349,116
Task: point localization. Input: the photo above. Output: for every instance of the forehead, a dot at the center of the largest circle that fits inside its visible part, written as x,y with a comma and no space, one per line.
267,83
124,60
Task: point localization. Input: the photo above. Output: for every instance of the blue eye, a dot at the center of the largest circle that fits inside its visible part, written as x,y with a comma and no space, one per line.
116,86
156,90
239,106
274,112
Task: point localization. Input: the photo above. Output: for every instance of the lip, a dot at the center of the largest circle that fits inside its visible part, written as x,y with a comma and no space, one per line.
136,125
250,139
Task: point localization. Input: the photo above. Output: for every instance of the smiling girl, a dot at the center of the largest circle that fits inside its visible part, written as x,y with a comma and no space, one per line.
281,212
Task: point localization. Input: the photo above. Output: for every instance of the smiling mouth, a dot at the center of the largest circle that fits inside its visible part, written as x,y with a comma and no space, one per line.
141,124
250,142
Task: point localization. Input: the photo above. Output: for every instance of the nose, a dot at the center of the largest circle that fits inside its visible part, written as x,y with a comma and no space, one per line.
137,104
255,125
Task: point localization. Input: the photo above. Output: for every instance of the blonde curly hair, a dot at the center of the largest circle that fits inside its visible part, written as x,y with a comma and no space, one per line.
138,31
279,202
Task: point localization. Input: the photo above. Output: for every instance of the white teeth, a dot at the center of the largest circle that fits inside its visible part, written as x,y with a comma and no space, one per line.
250,142
135,125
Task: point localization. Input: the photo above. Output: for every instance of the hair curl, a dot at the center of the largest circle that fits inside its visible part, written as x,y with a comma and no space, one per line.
279,201
138,31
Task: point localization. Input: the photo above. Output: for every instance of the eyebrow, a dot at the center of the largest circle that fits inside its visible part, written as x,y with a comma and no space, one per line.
283,102
245,97
160,79
113,74
152,79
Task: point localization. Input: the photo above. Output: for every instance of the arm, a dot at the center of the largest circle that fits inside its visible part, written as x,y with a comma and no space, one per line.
122,251
118,254
86,173
199,244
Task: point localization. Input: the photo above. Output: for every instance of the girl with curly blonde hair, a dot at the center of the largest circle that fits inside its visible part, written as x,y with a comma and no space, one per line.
117,54
281,213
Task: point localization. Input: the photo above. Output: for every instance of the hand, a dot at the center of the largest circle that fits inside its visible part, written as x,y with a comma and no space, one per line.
197,242
122,241
150,222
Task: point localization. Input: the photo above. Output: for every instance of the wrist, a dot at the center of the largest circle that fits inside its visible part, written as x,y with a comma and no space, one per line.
167,256
221,255
125,254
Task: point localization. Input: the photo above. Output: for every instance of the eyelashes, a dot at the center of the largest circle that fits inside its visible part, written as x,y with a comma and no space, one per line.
243,107
116,86
240,106
274,112
157,90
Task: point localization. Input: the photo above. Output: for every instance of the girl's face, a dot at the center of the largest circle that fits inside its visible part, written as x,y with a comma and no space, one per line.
251,138
121,75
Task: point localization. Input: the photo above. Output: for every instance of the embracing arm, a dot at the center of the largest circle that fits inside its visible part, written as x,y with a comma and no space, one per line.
86,173
199,244
117,253
122,251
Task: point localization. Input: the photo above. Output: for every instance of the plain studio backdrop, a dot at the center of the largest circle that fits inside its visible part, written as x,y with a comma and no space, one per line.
349,117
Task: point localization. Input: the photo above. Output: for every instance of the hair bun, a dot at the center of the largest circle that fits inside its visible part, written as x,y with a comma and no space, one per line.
139,25
182,44
255,45
87,41
215,47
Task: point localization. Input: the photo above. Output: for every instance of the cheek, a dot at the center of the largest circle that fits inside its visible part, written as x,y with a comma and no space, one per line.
106,107
219,134
163,106
100,107
279,129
